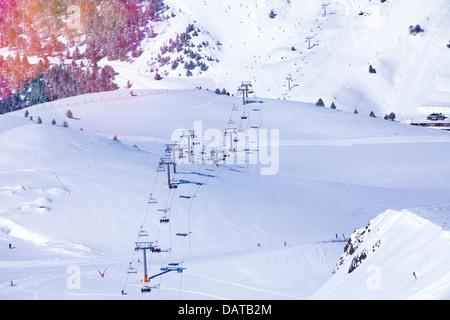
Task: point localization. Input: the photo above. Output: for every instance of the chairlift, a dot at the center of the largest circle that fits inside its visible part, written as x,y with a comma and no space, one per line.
235,108
230,121
152,200
146,289
143,233
243,117
173,186
160,167
164,219
156,249
131,270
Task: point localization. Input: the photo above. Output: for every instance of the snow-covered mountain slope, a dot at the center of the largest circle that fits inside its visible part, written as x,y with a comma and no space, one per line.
246,44
72,201
396,250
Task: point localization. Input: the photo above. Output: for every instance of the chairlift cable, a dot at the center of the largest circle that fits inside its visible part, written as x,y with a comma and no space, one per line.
143,223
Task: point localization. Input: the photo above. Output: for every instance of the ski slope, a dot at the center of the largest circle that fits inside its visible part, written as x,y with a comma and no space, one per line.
411,71
73,201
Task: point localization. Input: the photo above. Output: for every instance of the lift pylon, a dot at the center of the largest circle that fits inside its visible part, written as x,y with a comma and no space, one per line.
168,161
245,89
144,246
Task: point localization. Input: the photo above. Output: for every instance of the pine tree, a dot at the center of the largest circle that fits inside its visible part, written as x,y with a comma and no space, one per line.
272,14
320,103
76,54
392,116
69,114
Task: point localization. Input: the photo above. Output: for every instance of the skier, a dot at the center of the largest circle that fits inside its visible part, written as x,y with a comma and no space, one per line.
285,243
102,274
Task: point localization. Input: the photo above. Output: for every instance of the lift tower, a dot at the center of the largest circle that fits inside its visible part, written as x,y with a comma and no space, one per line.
144,246
168,161
170,152
245,88
324,7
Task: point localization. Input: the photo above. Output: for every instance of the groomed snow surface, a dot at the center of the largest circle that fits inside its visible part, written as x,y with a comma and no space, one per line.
72,201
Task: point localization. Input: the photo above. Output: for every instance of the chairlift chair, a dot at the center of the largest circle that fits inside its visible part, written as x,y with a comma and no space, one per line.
160,167
152,200
143,233
243,117
146,289
164,219
131,270
156,249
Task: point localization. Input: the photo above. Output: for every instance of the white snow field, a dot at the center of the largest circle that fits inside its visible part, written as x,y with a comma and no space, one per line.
72,202
412,71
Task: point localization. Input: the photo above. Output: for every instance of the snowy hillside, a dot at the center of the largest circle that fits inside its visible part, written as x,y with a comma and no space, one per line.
381,256
246,44
73,201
